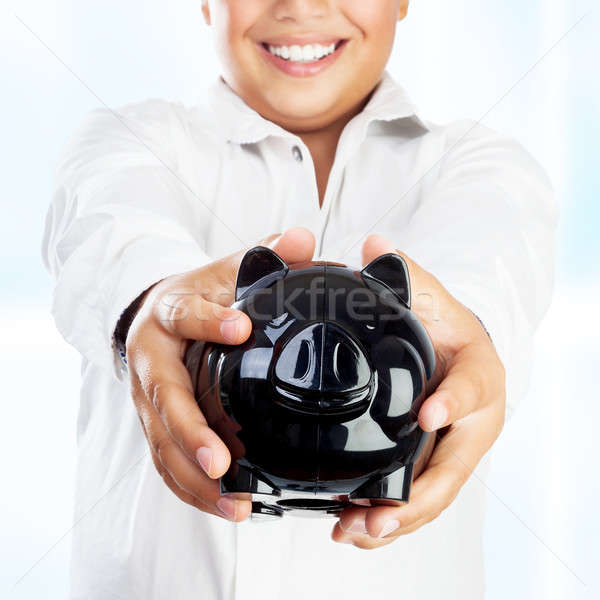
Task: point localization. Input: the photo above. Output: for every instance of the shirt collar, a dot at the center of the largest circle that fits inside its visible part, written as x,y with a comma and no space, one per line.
241,124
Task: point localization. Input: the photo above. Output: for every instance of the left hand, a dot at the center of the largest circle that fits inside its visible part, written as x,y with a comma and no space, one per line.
469,399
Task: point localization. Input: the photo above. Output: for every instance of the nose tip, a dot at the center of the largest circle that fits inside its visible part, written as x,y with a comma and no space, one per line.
323,357
295,11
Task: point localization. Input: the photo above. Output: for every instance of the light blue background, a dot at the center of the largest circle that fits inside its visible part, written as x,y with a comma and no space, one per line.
456,59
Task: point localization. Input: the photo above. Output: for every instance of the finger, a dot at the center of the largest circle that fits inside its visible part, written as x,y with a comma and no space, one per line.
464,383
427,292
186,475
218,281
224,508
187,426
424,505
468,384
187,314
351,529
352,519
167,387
295,245
452,462
363,541
374,246
181,494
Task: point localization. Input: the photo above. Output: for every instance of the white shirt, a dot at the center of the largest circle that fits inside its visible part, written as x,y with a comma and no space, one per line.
157,188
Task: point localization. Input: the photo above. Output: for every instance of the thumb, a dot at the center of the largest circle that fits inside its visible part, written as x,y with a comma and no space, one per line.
420,280
295,245
376,244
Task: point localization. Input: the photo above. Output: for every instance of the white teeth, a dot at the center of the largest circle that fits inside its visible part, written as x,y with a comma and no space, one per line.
308,53
296,53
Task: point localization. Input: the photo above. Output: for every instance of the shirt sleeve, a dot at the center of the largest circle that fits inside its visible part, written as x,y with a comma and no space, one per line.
121,218
486,229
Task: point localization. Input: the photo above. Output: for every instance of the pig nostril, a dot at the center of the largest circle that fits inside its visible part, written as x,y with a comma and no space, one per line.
299,364
345,367
343,362
335,361
304,360
325,358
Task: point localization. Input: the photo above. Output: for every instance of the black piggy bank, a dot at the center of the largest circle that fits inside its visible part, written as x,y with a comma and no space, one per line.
319,406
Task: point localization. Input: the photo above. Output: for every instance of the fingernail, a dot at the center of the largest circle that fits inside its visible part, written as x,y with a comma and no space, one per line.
361,501
204,457
229,329
357,526
227,506
388,527
440,416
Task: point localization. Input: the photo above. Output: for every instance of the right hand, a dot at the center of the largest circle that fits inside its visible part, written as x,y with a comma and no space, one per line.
188,455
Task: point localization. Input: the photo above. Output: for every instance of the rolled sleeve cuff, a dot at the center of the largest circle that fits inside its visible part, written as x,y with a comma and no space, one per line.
91,323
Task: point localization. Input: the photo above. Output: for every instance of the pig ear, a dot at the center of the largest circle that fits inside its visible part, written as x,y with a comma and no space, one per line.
388,271
259,268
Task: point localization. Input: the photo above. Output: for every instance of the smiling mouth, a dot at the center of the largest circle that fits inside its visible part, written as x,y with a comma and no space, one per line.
307,53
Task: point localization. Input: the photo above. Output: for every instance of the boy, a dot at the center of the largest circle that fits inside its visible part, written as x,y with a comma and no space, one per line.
306,133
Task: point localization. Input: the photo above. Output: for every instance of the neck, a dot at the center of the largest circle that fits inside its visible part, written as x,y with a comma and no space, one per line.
322,144
325,139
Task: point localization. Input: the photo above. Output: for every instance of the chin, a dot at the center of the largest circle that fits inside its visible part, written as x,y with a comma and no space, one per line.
306,109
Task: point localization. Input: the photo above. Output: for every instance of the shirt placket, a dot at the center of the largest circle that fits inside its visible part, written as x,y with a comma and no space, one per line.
320,214
350,139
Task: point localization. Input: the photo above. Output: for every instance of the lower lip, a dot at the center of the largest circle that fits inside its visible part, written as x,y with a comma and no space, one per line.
304,69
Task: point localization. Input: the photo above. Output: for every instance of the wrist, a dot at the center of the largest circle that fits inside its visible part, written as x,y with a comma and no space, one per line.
124,324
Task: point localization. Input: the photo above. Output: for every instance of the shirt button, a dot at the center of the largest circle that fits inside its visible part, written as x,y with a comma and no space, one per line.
297,153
